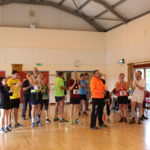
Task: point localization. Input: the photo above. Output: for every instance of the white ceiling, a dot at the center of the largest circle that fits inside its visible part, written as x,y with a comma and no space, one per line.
126,10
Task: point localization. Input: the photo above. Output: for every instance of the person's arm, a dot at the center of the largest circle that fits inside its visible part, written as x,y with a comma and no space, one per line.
32,80
24,87
117,87
10,91
126,86
81,83
71,86
62,86
133,85
140,87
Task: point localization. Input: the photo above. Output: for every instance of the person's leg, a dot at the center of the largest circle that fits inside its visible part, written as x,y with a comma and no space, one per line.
108,111
9,115
56,111
6,118
16,115
125,110
121,110
30,107
38,117
33,115
101,104
77,109
93,114
140,110
62,109
41,107
46,102
16,109
140,113
71,113
2,111
83,107
133,105
25,102
87,102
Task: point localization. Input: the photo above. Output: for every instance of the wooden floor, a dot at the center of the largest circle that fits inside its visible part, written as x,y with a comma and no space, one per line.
63,136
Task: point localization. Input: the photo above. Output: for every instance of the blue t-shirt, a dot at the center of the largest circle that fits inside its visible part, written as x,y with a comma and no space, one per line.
83,90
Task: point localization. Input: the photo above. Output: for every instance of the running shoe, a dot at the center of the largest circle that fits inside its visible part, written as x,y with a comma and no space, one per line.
17,125
47,121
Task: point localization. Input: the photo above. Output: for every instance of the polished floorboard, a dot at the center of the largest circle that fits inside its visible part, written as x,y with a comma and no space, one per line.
63,136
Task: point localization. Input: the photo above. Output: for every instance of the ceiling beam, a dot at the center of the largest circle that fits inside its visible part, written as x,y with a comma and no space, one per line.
88,19
63,8
110,8
113,6
109,19
61,2
5,2
84,4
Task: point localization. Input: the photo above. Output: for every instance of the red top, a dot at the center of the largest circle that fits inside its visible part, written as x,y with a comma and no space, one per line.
74,93
122,90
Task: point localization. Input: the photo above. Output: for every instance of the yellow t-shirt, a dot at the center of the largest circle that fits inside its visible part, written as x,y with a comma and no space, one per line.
16,90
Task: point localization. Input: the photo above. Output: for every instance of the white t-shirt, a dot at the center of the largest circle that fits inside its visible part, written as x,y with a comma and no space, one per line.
137,92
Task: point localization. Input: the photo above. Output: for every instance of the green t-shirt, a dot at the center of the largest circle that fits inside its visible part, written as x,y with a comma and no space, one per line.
58,83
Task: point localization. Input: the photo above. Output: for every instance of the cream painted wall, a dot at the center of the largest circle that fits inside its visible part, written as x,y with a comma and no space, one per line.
131,42
52,39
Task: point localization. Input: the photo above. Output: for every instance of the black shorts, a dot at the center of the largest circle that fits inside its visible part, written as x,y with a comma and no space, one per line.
83,97
58,99
15,103
44,102
36,98
75,100
123,99
5,104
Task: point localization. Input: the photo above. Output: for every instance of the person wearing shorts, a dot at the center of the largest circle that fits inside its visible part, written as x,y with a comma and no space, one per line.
83,93
14,83
59,88
45,101
122,95
138,86
5,92
75,98
36,97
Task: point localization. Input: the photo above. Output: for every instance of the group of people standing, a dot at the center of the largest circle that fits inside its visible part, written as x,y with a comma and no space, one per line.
137,97
99,94
36,95
78,88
